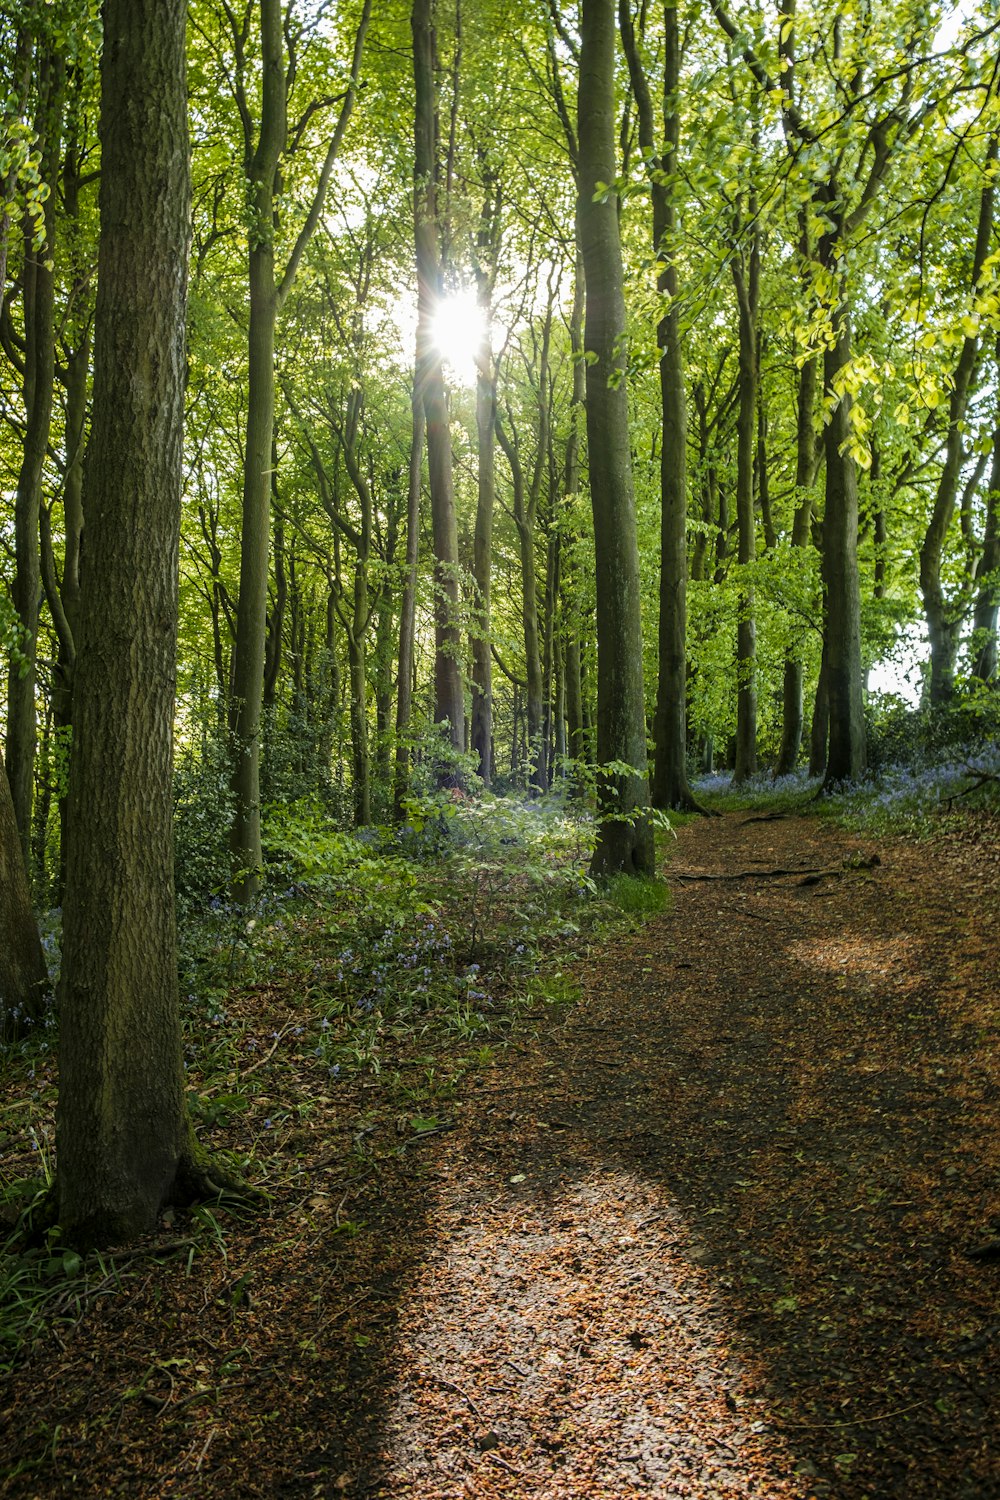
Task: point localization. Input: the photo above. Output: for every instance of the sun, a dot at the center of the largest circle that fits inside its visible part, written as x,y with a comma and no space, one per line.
457,329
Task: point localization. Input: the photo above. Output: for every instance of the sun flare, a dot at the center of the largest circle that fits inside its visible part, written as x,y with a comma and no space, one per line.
457,330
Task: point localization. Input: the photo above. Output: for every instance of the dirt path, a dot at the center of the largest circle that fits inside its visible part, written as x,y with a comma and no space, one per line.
705,1238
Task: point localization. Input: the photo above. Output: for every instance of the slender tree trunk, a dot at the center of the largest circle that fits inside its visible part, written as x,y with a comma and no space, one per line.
481,736
39,299
576,740
746,279
481,728
408,612
262,160
670,777
844,679
360,754
984,618
23,980
449,697
255,529
944,621
805,470
625,840
819,733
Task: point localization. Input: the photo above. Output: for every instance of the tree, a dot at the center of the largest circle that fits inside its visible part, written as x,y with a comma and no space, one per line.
625,838
670,777
38,374
449,696
266,147
847,146
125,1143
23,979
944,620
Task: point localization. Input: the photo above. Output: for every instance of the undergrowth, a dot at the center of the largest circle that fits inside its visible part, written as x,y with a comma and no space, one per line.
378,971
897,799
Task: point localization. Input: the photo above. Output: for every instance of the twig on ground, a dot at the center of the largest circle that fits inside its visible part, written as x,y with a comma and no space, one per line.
883,1416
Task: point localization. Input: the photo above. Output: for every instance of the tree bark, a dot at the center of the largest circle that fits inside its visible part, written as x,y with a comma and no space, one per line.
487,242
262,159
124,1139
449,696
408,613
23,978
846,757
944,621
670,777
625,839
805,474
746,278
39,375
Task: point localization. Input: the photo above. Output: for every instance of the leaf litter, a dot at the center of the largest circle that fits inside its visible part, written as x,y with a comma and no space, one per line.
706,1234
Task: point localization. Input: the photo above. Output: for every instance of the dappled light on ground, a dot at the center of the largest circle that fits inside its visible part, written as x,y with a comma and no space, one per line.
725,1228
564,1340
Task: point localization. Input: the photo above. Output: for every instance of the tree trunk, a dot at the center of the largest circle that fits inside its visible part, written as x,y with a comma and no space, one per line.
670,777
846,757
408,613
23,979
576,740
360,755
944,621
805,472
449,697
39,375
746,280
125,1145
984,618
261,166
481,729
819,732
625,839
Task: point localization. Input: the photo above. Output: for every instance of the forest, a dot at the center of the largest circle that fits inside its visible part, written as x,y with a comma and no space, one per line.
499,792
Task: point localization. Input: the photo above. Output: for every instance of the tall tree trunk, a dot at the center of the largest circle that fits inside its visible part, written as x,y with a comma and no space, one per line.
846,758
261,166
576,741
944,621
525,502
449,697
39,375
984,616
360,755
125,1145
481,730
481,736
746,278
819,732
805,476
625,839
262,159
408,612
670,777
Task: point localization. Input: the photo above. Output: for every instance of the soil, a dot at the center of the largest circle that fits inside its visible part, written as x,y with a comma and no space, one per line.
712,1232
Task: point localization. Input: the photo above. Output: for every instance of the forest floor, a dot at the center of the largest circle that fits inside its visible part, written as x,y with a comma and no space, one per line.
706,1234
